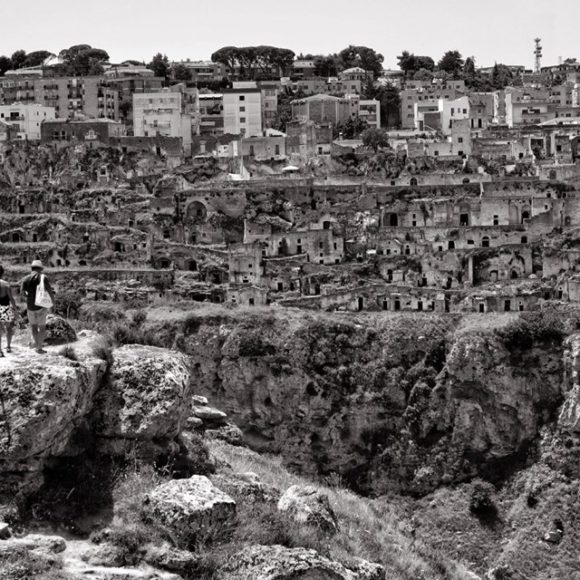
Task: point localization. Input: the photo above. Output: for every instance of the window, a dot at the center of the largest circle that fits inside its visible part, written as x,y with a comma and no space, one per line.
242,119
242,97
242,109
460,139
495,220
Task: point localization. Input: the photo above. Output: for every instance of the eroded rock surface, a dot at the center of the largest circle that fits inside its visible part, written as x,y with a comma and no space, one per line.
309,506
279,563
191,508
148,397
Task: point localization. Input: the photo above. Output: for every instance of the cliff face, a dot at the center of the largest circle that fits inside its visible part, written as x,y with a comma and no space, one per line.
393,403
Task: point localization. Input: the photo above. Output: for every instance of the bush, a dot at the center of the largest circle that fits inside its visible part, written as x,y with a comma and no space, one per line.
531,328
123,334
138,318
481,501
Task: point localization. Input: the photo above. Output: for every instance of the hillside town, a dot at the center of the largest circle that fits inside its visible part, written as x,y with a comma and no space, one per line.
313,181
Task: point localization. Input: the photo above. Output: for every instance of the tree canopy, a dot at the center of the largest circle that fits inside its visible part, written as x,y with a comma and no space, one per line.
451,62
410,63
83,60
375,138
363,57
159,65
255,61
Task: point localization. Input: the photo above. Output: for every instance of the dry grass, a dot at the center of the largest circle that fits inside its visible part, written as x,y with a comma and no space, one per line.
369,529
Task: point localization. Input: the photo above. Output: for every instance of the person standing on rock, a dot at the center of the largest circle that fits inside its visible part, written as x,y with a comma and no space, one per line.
8,311
39,298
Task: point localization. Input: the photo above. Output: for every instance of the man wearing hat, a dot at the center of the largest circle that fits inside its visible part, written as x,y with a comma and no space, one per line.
36,314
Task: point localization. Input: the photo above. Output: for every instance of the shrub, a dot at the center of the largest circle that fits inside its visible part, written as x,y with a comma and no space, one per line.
138,319
533,327
123,334
69,352
481,501
191,324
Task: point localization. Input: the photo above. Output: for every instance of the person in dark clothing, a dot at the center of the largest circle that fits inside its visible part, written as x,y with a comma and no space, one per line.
36,314
8,313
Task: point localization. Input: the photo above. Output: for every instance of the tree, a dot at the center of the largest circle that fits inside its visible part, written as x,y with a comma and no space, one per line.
469,67
5,64
159,65
83,60
501,76
182,73
36,58
423,74
390,103
263,61
375,138
451,62
18,59
326,66
351,128
363,57
410,63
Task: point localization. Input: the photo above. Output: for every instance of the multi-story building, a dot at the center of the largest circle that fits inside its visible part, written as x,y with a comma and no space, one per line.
127,86
243,112
26,119
327,86
162,114
204,70
65,131
323,109
370,111
421,96
17,90
303,68
211,114
78,96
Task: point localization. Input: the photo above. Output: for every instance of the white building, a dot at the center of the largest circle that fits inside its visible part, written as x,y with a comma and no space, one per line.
451,111
161,114
243,112
26,119
370,111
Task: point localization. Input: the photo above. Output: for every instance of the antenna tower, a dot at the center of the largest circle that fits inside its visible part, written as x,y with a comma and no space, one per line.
538,55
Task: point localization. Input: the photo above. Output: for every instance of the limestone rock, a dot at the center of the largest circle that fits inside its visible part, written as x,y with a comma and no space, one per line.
190,508
200,401
58,330
44,398
5,532
569,419
147,398
246,487
229,433
168,558
309,506
105,554
209,415
279,563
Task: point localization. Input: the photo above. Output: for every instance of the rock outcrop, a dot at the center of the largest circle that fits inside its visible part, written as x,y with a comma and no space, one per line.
58,330
309,506
279,563
399,404
147,399
191,509
43,399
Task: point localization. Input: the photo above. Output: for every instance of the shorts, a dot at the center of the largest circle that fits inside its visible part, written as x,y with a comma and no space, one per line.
37,317
7,315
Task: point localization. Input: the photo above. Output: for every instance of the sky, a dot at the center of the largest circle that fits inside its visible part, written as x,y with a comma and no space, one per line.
490,30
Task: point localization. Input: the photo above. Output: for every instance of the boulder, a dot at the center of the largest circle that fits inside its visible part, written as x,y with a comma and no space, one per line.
246,487
58,330
44,398
168,558
210,416
228,433
309,506
147,398
190,508
5,532
280,563
200,401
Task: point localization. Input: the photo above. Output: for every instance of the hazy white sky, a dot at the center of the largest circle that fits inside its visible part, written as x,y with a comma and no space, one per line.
491,30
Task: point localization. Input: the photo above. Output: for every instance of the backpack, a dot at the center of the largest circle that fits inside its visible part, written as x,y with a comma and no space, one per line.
42,297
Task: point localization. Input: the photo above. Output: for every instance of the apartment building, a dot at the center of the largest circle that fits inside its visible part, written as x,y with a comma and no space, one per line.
73,97
204,70
422,97
242,109
25,119
370,111
211,114
162,114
